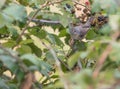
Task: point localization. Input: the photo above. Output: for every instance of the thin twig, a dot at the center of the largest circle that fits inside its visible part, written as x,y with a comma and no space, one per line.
104,55
54,22
43,6
44,21
58,58
102,60
63,79
27,25
65,65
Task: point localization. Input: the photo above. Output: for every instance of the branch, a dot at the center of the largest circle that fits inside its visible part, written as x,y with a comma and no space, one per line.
28,81
65,64
29,77
104,55
27,25
32,18
54,22
44,21
58,58
63,79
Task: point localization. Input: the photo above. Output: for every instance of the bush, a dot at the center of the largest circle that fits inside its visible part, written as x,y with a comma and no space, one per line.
43,45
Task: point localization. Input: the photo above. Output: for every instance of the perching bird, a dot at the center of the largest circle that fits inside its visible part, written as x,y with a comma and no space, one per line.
79,32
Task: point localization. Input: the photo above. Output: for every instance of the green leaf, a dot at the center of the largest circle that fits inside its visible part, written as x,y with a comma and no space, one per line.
114,23
109,6
4,20
37,51
30,57
80,46
96,6
63,33
9,43
2,2
9,62
117,74
49,15
23,2
91,34
38,43
24,49
20,74
27,41
55,39
4,30
37,31
86,79
45,68
31,2
106,29
83,55
50,58
40,65
41,34
64,20
6,58
13,86
3,84
16,11
12,30
114,55
73,59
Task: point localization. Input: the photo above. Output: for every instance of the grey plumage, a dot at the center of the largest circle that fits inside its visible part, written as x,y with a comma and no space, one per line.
79,32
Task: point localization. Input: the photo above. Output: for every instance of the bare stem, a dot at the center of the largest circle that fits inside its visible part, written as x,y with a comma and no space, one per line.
61,74
63,79
27,25
44,21
104,55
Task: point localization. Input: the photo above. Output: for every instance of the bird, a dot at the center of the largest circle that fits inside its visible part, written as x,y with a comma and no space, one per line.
79,32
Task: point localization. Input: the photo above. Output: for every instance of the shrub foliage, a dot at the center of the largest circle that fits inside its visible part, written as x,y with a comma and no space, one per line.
39,51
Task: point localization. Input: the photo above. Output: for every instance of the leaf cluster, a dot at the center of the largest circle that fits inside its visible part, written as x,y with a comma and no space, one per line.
39,55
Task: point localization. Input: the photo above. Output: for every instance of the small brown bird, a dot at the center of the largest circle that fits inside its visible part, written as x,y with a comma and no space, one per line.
79,32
